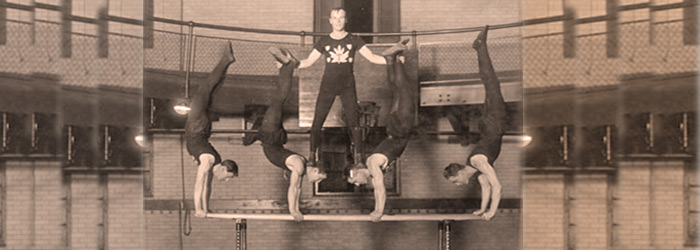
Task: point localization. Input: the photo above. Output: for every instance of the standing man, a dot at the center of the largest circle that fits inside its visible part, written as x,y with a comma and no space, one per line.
339,49
273,136
399,125
480,161
198,131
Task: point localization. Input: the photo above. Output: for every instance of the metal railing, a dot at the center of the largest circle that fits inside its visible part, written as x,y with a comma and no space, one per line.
547,60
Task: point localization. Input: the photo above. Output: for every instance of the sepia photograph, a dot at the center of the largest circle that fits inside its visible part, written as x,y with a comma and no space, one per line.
348,124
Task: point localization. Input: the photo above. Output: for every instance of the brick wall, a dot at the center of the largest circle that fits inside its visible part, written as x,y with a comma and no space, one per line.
650,209
667,202
33,201
590,211
543,211
123,223
125,219
43,212
647,212
86,211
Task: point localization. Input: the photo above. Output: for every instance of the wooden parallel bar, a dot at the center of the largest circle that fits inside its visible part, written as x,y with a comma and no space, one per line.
224,131
341,206
297,131
349,217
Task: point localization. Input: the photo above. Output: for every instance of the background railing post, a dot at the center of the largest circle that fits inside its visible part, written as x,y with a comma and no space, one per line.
569,44
414,37
611,25
189,59
66,28
148,27
3,22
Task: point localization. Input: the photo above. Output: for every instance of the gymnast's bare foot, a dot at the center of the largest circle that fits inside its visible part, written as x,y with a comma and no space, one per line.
396,49
278,54
480,40
292,59
228,53
250,138
312,160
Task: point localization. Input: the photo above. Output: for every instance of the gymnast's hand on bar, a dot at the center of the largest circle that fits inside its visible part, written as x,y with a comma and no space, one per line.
200,214
376,216
488,215
297,216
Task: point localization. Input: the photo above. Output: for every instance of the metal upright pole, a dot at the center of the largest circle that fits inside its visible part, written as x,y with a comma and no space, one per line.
447,235
245,232
238,234
189,59
441,234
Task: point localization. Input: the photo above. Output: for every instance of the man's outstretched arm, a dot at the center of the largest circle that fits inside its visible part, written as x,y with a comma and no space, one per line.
295,163
293,193
371,57
481,163
485,194
202,185
313,57
379,191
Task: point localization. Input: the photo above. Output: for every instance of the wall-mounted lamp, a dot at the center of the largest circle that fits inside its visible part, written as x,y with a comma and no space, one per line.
141,140
525,140
182,108
163,114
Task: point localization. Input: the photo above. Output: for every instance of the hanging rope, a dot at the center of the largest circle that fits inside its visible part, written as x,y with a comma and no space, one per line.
186,223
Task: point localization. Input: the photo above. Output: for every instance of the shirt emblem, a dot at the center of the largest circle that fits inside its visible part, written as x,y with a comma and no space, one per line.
339,55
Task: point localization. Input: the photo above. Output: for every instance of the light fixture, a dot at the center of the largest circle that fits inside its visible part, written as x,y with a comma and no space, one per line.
141,140
182,108
525,140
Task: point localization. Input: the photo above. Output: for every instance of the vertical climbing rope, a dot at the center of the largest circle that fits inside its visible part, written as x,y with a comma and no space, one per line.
183,222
